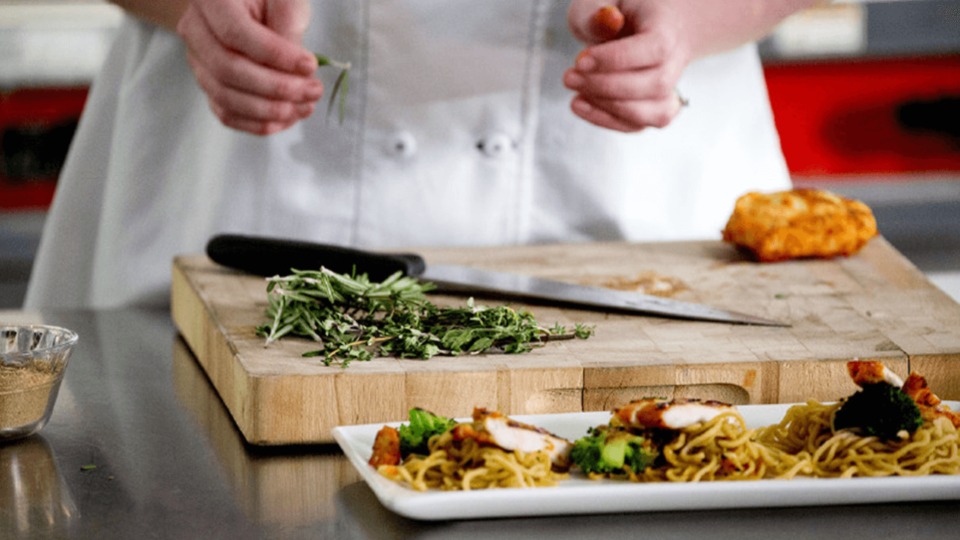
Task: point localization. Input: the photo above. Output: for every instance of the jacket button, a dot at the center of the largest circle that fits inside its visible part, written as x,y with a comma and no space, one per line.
495,145
402,144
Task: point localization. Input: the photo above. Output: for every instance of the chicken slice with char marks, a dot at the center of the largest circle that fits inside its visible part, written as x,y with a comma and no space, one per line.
653,413
930,405
494,429
871,372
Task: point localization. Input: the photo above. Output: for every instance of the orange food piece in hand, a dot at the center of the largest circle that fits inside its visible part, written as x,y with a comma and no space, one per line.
607,22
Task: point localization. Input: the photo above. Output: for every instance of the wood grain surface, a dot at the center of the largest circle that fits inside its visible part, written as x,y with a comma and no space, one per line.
875,305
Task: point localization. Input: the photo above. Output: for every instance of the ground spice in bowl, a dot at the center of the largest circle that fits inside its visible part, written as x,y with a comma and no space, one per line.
33,359
25,393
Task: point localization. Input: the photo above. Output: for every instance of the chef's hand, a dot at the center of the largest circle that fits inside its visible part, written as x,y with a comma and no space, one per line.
248,58
626,78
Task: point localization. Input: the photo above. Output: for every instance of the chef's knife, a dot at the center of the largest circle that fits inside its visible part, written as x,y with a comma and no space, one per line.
271,256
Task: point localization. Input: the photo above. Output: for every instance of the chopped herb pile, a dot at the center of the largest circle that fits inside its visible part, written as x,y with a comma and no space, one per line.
356,319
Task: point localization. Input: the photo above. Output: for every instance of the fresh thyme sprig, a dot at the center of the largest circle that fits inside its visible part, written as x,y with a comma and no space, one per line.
356,319
340,85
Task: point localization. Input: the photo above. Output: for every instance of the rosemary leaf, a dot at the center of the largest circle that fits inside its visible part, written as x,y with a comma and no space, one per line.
356,319
340,85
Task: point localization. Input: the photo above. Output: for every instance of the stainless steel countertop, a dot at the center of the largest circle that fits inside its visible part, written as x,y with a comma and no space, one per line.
169,463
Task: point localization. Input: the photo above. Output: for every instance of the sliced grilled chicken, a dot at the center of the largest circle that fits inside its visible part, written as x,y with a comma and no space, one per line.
678,413
930,405
869,372
494,429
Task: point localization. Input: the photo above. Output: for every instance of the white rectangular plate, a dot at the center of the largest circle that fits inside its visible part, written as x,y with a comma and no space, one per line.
583,496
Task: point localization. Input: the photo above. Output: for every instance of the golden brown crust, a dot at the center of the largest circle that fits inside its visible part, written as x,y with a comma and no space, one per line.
799,223
386,448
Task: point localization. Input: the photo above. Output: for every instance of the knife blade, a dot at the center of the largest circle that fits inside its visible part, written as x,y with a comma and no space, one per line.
268,257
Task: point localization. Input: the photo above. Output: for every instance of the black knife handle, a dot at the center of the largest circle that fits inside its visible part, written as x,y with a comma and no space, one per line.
274,256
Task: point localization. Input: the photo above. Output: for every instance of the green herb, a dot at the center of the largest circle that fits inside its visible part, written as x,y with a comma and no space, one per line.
86,468
340,85
355,319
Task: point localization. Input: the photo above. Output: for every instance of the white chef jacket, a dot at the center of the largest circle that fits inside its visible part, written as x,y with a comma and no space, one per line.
457,132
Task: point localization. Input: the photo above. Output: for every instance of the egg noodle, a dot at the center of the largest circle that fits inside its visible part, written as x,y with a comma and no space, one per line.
806,432
466,465
719,449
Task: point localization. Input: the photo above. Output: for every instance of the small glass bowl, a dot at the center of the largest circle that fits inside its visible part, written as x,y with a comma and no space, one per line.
32,361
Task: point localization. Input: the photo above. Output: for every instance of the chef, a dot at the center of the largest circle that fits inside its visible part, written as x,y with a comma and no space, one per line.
464,124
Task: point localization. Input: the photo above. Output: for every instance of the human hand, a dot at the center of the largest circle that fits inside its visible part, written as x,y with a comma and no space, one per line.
248,58
626,77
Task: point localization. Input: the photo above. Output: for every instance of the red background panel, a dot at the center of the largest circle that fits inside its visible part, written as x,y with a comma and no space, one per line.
842,117
34,114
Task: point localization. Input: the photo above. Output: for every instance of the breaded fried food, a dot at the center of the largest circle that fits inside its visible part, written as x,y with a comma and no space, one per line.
799,223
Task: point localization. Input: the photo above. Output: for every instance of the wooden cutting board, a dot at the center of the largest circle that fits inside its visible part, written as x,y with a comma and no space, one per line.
874,305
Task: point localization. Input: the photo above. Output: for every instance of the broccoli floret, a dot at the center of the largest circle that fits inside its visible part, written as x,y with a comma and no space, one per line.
423,425
612,450
879,409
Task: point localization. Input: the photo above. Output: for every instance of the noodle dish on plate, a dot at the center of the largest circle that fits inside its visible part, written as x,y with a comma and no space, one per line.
888,427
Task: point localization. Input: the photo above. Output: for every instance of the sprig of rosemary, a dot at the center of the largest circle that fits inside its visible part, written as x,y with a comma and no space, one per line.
340,86
355,319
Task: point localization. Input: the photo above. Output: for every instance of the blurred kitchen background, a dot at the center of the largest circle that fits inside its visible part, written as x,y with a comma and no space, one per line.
866,96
